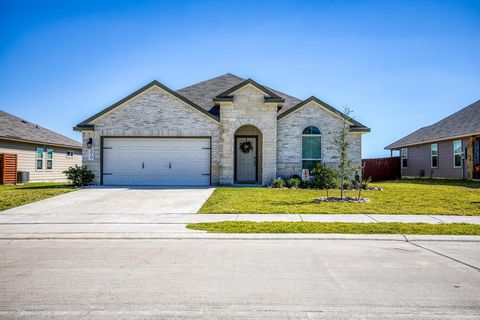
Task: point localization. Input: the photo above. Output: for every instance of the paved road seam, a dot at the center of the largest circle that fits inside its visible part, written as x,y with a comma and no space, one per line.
445,256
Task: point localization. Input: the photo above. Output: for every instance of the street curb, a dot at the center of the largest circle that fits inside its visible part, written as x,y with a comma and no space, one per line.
235,236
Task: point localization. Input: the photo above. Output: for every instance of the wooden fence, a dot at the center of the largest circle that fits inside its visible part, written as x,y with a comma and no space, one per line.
381,168
8,168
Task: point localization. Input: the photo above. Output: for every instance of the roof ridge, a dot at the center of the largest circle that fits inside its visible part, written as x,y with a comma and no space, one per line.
472,105
463,122
14,116
37,126
217,77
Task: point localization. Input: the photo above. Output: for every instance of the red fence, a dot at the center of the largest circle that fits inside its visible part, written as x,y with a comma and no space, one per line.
381,168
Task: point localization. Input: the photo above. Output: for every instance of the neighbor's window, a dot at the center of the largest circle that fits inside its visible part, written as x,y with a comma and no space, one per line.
434,154
49,159
457,153
39,158
70,154
311,147
404,156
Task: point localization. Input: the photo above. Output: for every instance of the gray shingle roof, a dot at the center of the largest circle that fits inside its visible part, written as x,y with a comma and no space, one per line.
202,96
462,123
203,92
14,128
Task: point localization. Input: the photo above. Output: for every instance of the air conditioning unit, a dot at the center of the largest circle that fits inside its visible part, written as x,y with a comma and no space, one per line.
23,176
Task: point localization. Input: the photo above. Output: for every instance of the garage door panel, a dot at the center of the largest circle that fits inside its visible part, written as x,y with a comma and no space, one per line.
190,166
156,161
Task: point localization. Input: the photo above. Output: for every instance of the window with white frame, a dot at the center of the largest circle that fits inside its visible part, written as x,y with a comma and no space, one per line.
457,153
39,158
404,156
311,147
49,159
70,154
434,155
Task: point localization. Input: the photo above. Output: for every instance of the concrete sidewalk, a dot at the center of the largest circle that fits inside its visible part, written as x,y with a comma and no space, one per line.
177,230
74,225
55,217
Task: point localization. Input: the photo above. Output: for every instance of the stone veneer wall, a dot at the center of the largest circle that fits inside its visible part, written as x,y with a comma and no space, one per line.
248,108
154,112
289,138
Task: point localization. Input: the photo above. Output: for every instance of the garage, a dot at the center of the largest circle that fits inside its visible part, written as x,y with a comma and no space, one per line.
156,161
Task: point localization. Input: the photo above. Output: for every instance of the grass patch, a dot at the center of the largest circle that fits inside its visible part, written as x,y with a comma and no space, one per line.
14,196
416,196
337,227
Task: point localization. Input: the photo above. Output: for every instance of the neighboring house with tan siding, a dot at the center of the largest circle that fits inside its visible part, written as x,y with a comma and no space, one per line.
41,152
449,148
226,130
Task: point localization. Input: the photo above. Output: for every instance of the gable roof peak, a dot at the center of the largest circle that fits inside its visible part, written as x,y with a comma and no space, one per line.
231,75
177,95
355,125
260,87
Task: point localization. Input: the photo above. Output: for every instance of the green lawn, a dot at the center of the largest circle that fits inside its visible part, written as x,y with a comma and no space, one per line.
337,227
14,196
418,196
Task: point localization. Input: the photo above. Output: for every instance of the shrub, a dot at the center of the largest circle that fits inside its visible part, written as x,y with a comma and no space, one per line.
307,184
79,176
296,176
293,182
323,177
278,183
347,184
366,183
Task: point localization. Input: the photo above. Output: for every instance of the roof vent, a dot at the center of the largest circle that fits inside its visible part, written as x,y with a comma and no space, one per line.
24,121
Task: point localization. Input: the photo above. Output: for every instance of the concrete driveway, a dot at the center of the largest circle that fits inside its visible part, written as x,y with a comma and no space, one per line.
120,201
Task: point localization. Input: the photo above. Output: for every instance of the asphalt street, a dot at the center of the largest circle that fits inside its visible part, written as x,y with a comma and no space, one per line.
239,279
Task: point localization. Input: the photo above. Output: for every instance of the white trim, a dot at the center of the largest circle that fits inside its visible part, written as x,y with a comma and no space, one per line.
42,159
431,156
319,135
46,159
454,153
73,153
402,157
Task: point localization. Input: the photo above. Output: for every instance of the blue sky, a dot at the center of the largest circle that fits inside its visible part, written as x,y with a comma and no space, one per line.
399,65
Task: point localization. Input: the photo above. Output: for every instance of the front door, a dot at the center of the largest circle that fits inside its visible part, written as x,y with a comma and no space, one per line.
246,159
476,158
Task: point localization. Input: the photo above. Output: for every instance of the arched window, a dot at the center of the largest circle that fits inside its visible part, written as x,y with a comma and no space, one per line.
311,147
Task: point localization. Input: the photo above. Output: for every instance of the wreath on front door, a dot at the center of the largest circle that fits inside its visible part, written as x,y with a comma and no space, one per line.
246,147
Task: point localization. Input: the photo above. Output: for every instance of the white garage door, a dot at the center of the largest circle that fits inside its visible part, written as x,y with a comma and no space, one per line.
156,161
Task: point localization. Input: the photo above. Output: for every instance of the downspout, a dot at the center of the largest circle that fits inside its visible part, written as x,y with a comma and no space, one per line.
463,159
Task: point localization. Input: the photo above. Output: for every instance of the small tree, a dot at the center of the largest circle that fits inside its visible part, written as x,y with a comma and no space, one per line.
79,176
342,143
